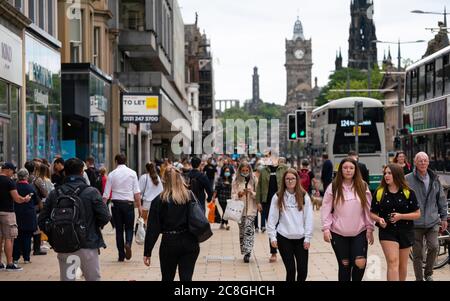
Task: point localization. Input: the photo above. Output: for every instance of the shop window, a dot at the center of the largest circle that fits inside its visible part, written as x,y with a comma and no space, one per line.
4,103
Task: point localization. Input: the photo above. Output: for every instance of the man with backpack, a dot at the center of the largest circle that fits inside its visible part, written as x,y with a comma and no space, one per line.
72,218
199,183
95,178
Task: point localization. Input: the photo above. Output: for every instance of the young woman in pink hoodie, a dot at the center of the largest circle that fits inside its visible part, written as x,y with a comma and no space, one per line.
346,222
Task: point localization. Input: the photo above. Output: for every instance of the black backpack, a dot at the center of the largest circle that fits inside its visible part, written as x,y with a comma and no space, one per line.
67,229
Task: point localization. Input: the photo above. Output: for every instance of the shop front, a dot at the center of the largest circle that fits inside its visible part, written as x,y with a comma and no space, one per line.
86,114
11,82
43,99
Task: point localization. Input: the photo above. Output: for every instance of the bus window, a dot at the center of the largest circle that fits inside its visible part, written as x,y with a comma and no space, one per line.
440,152
446,63
414,86
429,81
439,77
421,83
408,89
447,152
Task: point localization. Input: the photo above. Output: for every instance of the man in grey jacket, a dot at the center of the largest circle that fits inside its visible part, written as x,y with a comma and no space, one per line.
433,208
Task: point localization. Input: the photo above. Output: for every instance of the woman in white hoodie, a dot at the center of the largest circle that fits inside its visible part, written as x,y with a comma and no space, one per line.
290,225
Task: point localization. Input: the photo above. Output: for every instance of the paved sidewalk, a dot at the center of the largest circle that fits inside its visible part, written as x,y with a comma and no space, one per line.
219,260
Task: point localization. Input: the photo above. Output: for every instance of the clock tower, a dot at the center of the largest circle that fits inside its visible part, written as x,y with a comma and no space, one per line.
298,63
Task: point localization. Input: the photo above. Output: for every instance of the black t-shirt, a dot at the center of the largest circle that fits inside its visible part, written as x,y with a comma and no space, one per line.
395,203
273,184
6,200
210,171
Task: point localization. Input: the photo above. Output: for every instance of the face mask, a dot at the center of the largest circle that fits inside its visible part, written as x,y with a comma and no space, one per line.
245,175
227,174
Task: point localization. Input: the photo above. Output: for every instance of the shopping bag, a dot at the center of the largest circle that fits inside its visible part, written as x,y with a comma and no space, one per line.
211,213
140,232
234,210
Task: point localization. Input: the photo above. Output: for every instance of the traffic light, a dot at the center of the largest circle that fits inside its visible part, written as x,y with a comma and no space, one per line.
409,129
301,124
292,131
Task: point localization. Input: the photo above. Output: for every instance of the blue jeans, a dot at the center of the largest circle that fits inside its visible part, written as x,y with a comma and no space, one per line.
22,245
123,215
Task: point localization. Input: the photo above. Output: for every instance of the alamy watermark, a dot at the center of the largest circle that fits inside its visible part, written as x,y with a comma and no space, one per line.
248,137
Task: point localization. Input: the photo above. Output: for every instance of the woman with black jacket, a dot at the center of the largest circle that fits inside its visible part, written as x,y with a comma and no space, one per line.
169,217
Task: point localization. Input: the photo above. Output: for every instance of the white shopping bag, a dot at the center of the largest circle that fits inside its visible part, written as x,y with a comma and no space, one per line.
234,210
140,233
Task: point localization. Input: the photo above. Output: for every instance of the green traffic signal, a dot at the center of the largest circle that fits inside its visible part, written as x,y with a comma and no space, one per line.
294,136
302,134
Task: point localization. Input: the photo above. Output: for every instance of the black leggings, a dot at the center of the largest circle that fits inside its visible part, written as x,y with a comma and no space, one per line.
293,253
178,250
348,250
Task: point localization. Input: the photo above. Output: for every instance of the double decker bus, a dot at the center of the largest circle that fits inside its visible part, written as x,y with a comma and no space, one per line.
334,133
427,111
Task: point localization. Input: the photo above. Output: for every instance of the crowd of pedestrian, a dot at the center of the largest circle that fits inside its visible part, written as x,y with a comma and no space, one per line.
409,208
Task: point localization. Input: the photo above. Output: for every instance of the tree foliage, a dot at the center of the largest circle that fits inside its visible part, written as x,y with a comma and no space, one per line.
358,81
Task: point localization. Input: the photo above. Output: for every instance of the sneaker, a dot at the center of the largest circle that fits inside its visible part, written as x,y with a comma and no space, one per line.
257,230
15,262
26,262
121,260
39,253
127,252
2,266
13,268
227,227
247,258
263,229
429,278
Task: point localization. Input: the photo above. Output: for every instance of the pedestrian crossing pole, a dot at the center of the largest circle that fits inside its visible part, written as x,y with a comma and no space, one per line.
359,117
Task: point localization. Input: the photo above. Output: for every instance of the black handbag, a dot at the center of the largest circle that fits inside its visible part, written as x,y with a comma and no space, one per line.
198,224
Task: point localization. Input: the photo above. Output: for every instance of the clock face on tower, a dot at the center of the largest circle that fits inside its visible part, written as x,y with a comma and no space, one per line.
299,54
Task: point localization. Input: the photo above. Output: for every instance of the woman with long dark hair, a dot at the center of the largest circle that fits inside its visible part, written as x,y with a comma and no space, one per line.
290,225
394,208
400,159
169,216
346,222
150,186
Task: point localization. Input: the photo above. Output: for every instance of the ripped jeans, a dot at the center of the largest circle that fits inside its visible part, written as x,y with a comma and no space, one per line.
351,254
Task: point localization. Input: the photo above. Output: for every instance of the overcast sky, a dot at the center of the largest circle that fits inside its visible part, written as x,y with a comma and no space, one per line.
248,33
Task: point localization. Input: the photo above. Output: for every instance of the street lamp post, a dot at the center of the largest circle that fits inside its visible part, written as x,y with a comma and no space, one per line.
445,13
399,81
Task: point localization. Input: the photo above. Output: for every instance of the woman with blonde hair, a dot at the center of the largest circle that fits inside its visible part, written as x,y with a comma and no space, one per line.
346,222
244,189
169,216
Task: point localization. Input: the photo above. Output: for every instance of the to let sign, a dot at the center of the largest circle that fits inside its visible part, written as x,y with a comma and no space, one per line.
140,108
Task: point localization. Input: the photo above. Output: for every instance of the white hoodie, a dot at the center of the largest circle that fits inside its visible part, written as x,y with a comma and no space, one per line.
292,224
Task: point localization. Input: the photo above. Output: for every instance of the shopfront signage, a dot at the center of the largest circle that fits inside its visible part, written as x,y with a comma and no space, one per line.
10,56
41,75
140,108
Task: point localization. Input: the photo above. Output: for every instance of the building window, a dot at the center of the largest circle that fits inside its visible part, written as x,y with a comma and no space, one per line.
132,14
19,5
75,38
50,29
31,10
96,46
41,11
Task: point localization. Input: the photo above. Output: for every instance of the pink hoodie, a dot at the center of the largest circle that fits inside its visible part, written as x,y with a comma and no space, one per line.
348,219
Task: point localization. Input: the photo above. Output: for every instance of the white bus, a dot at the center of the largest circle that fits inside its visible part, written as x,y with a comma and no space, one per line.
427,111
334,134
